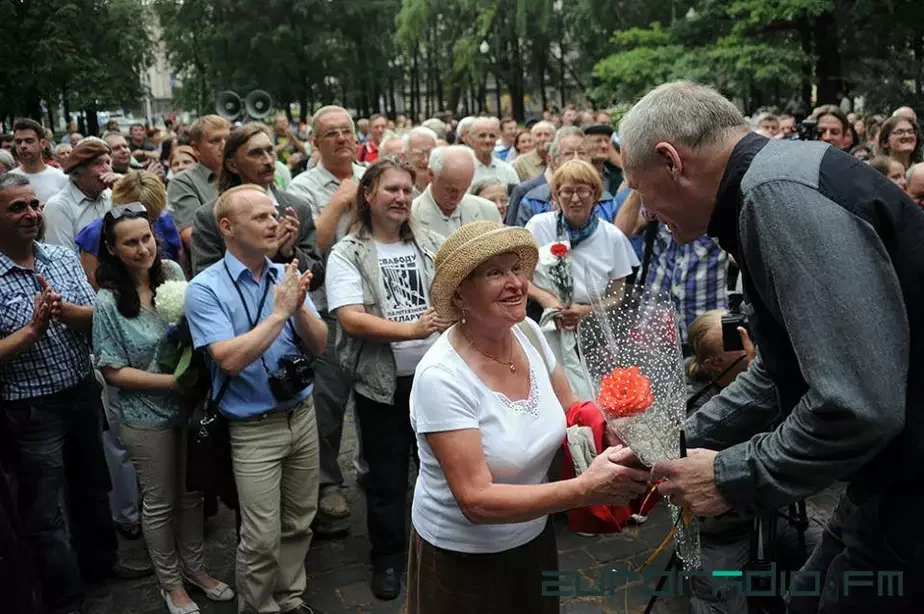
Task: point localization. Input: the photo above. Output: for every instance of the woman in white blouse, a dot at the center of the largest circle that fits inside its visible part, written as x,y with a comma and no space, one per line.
487,407
597,254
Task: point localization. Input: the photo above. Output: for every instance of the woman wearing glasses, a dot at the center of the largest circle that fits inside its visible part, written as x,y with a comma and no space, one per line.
127,336
580,256
898,139
145,188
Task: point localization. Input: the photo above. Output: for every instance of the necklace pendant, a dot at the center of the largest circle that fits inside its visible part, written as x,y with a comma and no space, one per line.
513,369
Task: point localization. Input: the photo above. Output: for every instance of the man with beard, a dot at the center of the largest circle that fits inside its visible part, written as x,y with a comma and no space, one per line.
29,139
250,158
85,197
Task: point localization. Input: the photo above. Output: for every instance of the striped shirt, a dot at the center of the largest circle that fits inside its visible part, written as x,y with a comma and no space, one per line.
695,274
61,357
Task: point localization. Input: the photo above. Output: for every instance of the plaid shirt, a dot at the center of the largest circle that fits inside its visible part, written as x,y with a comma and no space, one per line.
61,357
695,274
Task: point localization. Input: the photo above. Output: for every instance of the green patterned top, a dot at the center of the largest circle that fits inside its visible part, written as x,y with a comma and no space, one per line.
136,342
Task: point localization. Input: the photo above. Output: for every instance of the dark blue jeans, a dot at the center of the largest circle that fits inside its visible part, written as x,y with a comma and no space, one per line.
860,545
59,451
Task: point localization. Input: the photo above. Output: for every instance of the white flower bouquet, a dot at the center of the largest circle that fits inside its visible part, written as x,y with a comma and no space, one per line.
176,352
630,351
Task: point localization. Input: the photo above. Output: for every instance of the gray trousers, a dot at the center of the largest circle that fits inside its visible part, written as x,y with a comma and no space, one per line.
726,545
332,386
123,498
171,515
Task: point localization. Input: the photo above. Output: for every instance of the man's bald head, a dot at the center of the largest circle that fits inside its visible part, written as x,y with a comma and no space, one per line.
451,171
237,199
914,185
906,112
543,132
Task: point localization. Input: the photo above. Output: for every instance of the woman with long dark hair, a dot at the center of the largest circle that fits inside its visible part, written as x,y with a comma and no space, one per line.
378,280
128,333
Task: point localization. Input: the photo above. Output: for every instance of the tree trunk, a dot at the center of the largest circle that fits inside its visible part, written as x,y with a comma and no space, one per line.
516,81
305,113
805,34
828,60
66,103
92,121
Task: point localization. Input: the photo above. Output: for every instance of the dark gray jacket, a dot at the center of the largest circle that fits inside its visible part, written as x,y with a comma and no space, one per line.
830,252
208,246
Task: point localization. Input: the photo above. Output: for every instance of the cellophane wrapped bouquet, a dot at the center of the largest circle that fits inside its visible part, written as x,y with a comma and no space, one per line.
631,353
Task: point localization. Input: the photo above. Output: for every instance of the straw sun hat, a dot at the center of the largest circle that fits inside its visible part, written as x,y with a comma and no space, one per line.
469,247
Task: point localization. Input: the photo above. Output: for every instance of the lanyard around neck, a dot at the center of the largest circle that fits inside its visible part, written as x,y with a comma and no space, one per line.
252,321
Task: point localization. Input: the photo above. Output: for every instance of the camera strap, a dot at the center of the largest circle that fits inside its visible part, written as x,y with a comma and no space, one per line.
651,232
714,382
250,320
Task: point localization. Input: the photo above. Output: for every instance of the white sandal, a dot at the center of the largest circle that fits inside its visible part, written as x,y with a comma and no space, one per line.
189,608
219,592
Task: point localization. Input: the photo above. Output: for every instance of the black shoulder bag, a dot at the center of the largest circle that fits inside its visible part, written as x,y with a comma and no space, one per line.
208,461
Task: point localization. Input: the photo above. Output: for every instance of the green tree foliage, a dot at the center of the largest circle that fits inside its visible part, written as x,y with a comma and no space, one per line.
89,53
789,53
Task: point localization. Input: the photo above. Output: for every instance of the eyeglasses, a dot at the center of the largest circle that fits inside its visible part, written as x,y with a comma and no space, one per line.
568,193
334,133
119,211
902,133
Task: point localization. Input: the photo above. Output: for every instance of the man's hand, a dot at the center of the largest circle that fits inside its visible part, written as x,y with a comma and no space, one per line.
41,314
748,345
287,234
690,482
287,292
110,179
154,166
346,193
303,283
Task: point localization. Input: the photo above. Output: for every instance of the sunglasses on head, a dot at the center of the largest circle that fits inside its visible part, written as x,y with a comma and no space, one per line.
119,211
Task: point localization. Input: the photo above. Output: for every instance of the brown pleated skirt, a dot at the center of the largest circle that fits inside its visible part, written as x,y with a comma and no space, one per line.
446,582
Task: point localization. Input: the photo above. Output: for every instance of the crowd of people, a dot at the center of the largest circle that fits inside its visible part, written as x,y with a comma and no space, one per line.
408,271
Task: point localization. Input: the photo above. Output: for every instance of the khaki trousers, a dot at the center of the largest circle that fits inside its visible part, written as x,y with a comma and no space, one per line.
171,516
276,470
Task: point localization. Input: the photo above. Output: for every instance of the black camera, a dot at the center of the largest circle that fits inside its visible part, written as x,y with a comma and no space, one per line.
808,129
732,321
295,373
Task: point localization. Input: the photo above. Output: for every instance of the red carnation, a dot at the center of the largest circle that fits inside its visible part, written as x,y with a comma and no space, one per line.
558,250
625,393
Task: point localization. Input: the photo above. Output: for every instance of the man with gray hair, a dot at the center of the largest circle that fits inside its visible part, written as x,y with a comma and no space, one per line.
914,183
52,402
463,129
330,189
445,205
832,268
482,140
438,127
533,163
420,143
391,145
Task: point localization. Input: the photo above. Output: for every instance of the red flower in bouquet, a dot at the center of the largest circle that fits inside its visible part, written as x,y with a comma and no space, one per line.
625,393
559,250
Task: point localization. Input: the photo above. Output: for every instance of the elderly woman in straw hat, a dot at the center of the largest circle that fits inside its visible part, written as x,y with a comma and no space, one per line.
487,407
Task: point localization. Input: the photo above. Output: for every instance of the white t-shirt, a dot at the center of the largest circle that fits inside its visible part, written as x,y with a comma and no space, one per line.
46,183
606,255
519,439
403,285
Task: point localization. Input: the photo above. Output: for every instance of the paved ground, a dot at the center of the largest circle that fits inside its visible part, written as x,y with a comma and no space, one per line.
338,574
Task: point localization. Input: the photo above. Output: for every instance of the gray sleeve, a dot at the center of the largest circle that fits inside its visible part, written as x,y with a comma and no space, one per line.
825,274
183,200
208,246
747,406
307,252
514,205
